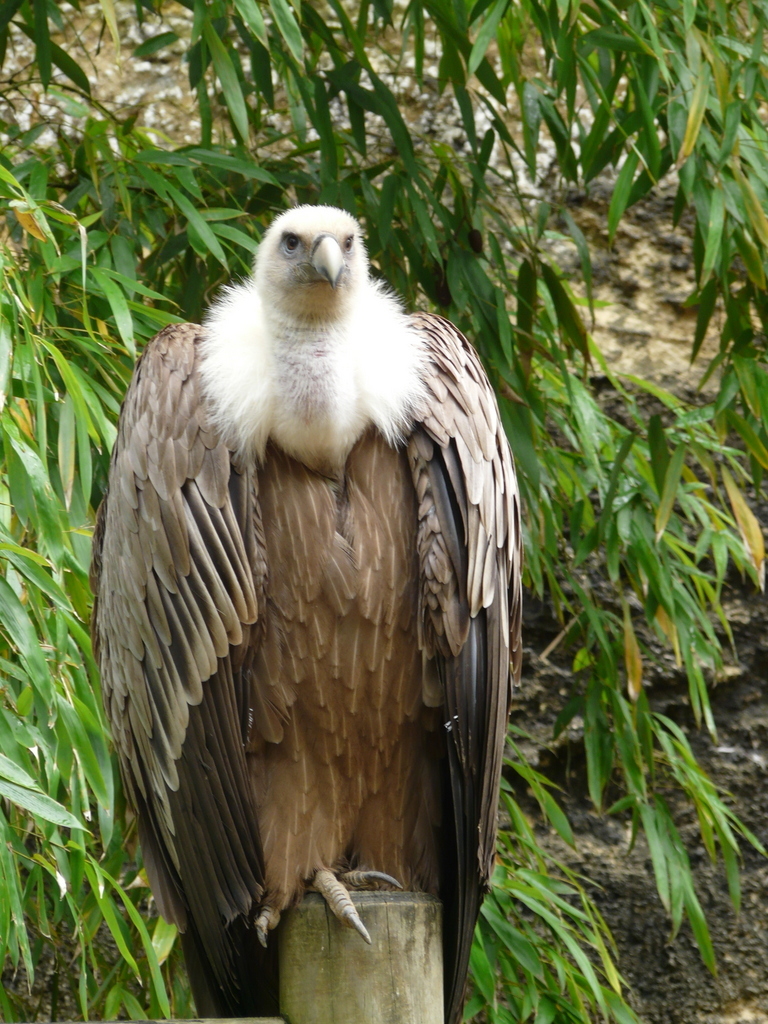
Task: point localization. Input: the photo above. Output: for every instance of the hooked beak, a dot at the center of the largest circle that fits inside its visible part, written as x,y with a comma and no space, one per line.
328,259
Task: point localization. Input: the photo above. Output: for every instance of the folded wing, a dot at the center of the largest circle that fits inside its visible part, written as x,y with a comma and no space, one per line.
470,553
178,575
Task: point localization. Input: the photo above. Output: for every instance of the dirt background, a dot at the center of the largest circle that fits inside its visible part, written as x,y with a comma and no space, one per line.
668,982
643,328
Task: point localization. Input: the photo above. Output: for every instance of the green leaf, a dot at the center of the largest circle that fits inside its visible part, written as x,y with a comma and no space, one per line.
521,949
204,232
149,950
672,475
568,318
696,113
251,14
582,248
13,773
288,28
621,191
714,232
163,939
119,306
482,972
107,908
230,84
71,69
754,444
40,804
556,816
15,623
485,35
698,923
42,41
158,42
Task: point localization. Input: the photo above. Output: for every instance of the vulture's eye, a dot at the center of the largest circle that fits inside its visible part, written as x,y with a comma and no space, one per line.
348,244
291,242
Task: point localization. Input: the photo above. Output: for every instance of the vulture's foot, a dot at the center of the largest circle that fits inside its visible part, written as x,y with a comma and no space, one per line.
265,922
368,879
337,898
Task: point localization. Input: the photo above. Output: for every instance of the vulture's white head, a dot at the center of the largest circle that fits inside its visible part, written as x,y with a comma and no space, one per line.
311,351
311,262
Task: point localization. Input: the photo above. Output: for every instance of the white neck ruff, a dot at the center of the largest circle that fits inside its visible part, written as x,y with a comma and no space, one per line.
311,388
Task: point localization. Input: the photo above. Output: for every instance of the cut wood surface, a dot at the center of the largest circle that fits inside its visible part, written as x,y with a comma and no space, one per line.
329,975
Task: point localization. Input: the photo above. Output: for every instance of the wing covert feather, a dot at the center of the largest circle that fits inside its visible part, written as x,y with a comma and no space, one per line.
470,552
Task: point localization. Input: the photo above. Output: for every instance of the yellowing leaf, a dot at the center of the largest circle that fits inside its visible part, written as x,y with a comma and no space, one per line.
23,416
633,660
749,527
108,10
670,631
755,211
27,220
695,115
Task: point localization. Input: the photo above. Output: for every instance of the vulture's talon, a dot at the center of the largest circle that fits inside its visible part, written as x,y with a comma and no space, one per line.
352,918
265,922
338,899
367,879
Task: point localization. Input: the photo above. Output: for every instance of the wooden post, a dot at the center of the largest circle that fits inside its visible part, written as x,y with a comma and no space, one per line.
329,975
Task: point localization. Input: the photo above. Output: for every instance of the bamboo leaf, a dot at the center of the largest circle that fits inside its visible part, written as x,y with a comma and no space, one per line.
754,208
696,113
698,922
163,939
714,235
107,908
523,951
119,306
251,14
621,191
755,446
146,942
485,35
15,622
633,661
67,448
230,85
752,259
32,219
40,804
669,492
155,44
71,69
749,527
42,41
204,232
288,28
14,773
108,10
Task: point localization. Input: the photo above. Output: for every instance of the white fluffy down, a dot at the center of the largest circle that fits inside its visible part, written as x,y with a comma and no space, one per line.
311,387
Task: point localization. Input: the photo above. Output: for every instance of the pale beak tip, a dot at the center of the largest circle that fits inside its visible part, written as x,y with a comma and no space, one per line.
328,260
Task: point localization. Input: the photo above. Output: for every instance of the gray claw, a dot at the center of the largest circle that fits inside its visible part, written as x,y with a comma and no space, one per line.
338,899
362,879
265,922
353,919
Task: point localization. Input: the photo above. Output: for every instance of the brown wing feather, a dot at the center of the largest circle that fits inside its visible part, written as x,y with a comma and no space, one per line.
178,572
470,551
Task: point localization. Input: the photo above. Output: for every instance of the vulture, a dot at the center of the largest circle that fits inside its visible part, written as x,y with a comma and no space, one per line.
307,580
